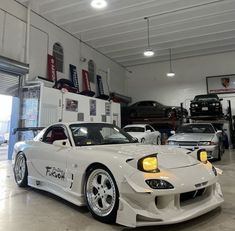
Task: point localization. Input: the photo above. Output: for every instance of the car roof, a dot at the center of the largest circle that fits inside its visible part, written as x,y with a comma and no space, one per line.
136,125
211,94
70,123
198,124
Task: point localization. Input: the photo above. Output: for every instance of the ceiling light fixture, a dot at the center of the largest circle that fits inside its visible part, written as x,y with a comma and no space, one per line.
171,73
99,4
148,52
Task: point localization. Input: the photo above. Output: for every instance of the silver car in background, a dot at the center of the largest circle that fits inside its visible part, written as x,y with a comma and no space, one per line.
199,136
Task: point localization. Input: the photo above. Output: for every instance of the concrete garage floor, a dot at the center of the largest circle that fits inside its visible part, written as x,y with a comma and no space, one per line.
32,210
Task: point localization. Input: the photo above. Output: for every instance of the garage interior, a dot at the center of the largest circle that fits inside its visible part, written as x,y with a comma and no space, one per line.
46,45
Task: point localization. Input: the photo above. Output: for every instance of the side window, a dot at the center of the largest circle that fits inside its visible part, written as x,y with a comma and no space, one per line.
58,54
53,134
149,128
144,104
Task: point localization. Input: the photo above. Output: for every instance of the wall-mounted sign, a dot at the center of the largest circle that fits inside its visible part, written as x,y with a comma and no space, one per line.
74,75
91,70
71,105
92,107
221,84
80,116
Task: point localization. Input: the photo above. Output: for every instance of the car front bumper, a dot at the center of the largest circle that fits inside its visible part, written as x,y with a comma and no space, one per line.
212,150
143,207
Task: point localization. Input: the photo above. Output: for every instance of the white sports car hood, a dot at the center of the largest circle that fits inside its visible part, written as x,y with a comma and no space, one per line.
168,157
192,137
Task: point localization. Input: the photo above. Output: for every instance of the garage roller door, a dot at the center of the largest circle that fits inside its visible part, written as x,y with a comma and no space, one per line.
10,73
8,84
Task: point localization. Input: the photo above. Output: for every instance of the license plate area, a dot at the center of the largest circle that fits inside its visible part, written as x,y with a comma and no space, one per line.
204,108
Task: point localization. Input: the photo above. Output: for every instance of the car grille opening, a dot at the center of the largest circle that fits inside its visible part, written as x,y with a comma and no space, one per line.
192,195
188,143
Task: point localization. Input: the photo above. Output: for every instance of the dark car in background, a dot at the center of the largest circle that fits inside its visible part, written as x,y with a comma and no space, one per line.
206,105
154,109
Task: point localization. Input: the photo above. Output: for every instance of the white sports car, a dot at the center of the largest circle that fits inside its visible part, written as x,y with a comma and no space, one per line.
145,133
101,166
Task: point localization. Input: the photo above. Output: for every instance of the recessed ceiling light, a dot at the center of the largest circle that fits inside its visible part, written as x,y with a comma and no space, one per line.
170,74
99,4
149,53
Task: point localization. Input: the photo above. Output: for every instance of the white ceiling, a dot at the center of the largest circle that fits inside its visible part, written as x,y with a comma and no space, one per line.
189,27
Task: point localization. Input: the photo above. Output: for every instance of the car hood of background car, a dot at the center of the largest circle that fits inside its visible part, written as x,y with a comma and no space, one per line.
169,157
192,137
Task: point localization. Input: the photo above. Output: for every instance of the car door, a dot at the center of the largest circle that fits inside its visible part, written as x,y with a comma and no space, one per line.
50,159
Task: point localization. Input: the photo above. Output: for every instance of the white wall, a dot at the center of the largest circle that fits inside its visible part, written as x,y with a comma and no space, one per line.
43,35
150,81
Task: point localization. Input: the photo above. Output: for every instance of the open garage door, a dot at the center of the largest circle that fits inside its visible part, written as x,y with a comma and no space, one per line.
10,73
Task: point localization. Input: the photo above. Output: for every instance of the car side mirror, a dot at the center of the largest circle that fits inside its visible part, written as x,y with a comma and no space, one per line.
62,143
219,131
148,131
172,132
220,99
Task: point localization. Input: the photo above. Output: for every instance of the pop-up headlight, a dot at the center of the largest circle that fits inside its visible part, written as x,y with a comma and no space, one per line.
202,156
148,164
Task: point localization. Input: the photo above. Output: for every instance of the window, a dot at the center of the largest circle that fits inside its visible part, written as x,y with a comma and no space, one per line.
149,128
58,54
134,129
98,134
54,133
145,104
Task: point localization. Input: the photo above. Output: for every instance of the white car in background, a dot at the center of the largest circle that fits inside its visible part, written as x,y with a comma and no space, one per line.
145,133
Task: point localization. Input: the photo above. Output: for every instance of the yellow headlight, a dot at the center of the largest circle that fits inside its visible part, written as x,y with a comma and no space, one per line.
150,164
203,156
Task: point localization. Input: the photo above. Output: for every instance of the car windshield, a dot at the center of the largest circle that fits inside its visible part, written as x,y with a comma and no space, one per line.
196,128
99,134
133,129
206,98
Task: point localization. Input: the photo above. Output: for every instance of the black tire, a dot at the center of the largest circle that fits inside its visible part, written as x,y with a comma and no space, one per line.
142,140
158,140
20,174
110,217
219,154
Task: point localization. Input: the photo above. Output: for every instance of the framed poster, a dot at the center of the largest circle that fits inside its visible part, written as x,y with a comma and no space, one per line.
221,84
71,105
92,107
107,109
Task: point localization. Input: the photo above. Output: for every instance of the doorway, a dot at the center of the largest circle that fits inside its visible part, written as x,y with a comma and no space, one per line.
5,121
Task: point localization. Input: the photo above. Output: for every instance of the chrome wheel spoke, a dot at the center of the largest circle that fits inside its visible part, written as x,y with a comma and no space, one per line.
103,180
105,204
95,183
109,192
